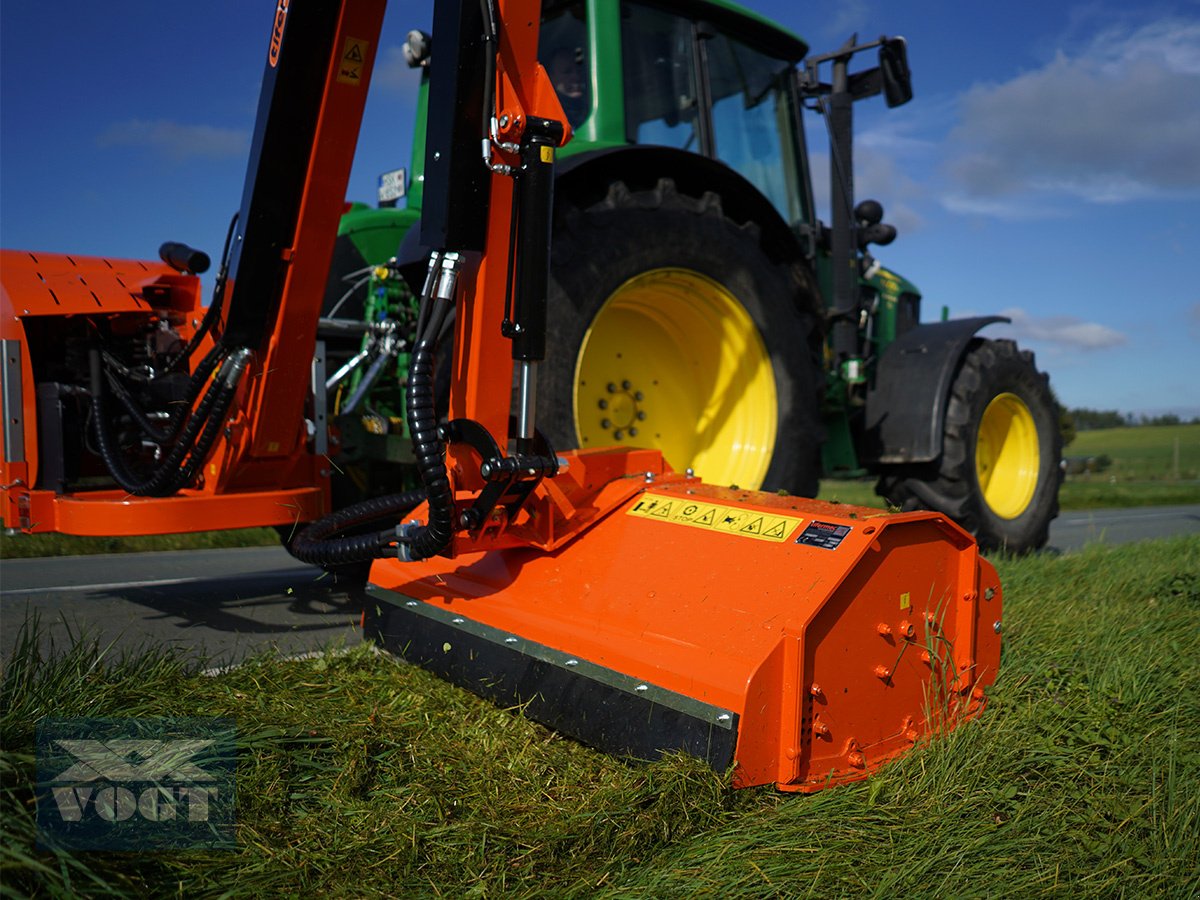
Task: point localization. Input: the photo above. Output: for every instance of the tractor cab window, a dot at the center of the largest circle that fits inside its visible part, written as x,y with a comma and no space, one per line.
562,50
690,86
752,120
661,98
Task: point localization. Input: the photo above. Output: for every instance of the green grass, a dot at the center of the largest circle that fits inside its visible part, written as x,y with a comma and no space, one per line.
361,777
25,546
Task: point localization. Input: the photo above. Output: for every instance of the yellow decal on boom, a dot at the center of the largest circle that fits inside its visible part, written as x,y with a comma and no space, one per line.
354,54
715,517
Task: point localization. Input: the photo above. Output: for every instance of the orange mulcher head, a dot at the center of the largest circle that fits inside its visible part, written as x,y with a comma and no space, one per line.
804,643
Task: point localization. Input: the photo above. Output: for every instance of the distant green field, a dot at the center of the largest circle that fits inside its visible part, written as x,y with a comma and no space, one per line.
1146,453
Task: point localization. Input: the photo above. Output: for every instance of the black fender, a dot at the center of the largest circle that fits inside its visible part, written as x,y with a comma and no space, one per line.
583,179
906,408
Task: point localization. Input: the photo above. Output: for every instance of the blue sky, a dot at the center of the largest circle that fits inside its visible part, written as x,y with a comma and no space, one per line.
1048,167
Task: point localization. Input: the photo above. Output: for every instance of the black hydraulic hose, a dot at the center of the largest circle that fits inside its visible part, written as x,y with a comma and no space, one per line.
105,441
149,429
195,384
318,546
216,422
171,474
429,449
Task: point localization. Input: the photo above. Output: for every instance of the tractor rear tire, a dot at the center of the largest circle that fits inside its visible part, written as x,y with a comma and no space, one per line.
999,471
669,326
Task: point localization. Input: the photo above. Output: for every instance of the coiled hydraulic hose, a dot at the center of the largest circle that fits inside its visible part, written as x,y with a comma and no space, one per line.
316,544
195,440
430,451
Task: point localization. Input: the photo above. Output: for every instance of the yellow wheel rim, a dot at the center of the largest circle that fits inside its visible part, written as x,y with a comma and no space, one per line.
1006,455
674,361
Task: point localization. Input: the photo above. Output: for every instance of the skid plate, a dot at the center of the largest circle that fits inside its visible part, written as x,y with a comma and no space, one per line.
803,642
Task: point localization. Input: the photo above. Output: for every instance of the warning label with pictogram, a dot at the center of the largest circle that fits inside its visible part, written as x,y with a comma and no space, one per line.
716,517
354,55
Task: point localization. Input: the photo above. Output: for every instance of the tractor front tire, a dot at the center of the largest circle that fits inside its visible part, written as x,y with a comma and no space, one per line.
999,471
670,326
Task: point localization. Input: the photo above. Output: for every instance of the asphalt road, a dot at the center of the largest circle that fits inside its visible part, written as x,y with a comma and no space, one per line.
224,604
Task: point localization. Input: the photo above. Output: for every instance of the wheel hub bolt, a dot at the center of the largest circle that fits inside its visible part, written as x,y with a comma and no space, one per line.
604,404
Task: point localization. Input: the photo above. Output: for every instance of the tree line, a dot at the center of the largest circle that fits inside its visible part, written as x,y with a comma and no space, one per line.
1091,419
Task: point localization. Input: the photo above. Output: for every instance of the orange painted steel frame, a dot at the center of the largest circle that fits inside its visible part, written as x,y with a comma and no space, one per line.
261,472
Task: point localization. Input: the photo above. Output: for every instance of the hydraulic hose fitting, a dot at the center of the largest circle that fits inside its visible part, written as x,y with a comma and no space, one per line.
431,271
451,265
234,366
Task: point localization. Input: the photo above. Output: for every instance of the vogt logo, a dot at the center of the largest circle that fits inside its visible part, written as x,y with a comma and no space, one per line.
135,783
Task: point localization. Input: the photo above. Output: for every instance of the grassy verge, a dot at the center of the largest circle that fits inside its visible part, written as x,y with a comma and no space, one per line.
26,546
361,777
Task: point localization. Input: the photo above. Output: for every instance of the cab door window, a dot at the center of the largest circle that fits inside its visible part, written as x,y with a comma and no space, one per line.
661,95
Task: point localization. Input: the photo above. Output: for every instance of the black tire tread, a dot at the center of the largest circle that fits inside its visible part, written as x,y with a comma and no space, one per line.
950,485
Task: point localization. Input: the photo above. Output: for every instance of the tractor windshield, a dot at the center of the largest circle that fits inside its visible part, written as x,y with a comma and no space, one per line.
691,86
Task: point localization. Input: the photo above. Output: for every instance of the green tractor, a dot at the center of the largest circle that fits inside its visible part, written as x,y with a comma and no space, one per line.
699,306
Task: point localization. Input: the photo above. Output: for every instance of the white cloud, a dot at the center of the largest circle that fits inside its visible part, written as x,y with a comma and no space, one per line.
1067,332
1115,121
177,141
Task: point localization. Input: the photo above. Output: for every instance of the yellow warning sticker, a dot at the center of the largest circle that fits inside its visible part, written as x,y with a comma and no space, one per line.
354,54
547,153
715,517
905,601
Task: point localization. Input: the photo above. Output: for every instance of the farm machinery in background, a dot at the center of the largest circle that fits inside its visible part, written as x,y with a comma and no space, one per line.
699,306
499,431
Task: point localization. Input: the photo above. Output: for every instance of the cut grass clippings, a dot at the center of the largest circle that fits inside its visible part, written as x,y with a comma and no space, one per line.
359,776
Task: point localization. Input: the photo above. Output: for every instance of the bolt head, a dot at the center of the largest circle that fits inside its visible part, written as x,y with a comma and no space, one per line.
619,435
612,388
996,627
606,424
632,431
603,404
